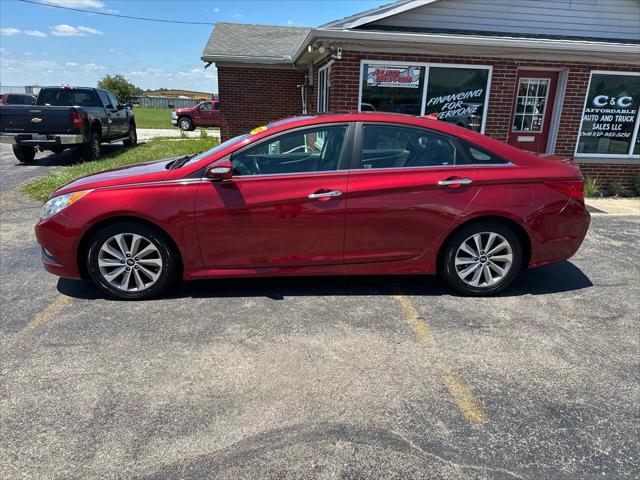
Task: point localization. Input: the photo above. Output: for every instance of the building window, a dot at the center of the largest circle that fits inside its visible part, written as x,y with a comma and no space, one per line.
458,95
610,117
323,88
453,93
392,88
531,102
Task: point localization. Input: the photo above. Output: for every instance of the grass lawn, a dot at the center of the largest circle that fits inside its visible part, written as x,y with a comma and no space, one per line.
42,187
153,117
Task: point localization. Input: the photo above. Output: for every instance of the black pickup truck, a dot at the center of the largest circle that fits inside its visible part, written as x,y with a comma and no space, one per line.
67,117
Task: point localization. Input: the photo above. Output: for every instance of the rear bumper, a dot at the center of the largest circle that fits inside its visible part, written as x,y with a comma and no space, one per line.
40,140
560,235
59,236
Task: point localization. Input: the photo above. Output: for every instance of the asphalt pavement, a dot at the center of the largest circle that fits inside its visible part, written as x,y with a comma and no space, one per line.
329,378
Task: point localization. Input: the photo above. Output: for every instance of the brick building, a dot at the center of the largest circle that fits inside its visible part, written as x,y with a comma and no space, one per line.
558,77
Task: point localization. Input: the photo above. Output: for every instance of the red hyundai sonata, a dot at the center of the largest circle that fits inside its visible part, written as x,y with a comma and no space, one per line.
350,194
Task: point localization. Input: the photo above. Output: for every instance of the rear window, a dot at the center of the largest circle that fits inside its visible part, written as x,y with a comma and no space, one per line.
63,97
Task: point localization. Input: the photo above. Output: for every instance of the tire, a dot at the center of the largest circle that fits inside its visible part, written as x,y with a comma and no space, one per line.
92,150
132,139
460,262
147,276
185,123
24,154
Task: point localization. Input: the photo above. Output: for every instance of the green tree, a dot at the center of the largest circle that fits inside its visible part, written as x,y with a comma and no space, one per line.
122,88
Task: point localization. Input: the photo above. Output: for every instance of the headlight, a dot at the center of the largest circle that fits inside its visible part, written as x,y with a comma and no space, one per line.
56,204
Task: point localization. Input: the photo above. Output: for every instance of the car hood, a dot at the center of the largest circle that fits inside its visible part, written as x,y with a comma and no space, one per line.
140,173
182,110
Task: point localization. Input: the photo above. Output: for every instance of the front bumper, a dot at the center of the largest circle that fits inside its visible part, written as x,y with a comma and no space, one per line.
41,140
59,237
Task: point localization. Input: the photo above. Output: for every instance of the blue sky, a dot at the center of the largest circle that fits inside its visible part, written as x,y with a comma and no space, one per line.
50,46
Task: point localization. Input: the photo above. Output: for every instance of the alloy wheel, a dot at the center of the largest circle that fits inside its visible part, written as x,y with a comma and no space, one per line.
483,259
130,262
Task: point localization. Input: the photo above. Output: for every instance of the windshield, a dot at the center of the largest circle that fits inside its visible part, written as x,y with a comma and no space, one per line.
218,148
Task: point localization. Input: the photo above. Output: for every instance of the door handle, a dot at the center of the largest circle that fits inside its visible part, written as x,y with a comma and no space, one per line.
332,193
454,181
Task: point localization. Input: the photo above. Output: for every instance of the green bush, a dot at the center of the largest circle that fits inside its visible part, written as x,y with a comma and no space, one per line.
203,134
635,182
614,188
590,187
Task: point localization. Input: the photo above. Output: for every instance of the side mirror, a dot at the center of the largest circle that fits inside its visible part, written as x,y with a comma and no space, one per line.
220,170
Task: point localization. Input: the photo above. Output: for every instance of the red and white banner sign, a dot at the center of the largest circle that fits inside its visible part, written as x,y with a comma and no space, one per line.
393,76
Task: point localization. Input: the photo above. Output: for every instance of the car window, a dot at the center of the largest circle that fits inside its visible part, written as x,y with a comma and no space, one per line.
29,100
66,97
205,106
479,156
105,99
386,146
316,149
113,99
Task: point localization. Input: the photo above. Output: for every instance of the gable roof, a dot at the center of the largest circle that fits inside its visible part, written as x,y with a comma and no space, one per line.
245,43
376,14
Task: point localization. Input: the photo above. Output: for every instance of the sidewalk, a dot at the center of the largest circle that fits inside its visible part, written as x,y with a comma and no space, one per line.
615,206
145,134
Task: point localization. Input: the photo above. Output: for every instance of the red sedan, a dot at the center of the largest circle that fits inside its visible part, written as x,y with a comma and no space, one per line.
351,194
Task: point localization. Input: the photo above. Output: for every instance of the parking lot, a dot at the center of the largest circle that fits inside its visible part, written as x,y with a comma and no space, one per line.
380,377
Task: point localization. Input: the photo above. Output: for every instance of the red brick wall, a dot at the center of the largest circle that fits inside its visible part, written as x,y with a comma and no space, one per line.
250,97
604,173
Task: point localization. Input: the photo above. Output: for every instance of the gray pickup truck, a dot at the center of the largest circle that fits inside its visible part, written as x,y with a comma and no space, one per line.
67,117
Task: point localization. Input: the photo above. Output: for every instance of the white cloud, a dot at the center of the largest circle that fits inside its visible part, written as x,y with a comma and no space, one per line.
70,31
216,10
35,33
90,31
7,32
289,22
237,15
71,64
98,4
93,66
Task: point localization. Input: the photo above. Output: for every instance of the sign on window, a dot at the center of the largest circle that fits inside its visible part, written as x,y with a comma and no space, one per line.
387,76
610,115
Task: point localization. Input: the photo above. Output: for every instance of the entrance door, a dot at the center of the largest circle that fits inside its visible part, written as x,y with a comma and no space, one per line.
532,110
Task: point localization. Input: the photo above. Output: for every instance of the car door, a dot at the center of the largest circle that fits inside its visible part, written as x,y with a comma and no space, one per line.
108,129
284,206
407,186
118,116
205,114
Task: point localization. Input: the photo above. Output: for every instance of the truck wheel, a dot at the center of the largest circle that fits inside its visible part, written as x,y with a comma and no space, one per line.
185,123
24,154
132,139
92,149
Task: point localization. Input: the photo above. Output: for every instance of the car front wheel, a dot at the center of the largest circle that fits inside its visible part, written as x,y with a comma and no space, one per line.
482,259
185,123
131,262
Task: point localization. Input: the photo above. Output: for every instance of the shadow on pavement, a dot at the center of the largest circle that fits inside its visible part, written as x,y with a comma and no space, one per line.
66,158
556,278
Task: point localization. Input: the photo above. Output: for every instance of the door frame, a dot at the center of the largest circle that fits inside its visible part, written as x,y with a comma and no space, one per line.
326,70
558,105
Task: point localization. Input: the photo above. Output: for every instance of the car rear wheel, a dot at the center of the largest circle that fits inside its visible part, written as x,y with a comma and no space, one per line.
132,138
482,259
24,154
185,123
93,149
131,262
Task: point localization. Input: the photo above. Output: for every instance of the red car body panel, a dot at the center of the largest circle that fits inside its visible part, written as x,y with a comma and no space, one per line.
388,221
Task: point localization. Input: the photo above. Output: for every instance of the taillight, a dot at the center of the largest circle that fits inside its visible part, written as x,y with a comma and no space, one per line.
76,120
571,188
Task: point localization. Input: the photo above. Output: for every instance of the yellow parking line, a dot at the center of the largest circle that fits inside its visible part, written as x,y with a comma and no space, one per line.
47,314
467,403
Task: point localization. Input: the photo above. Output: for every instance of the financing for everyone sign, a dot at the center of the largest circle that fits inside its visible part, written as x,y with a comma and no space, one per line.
393,76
